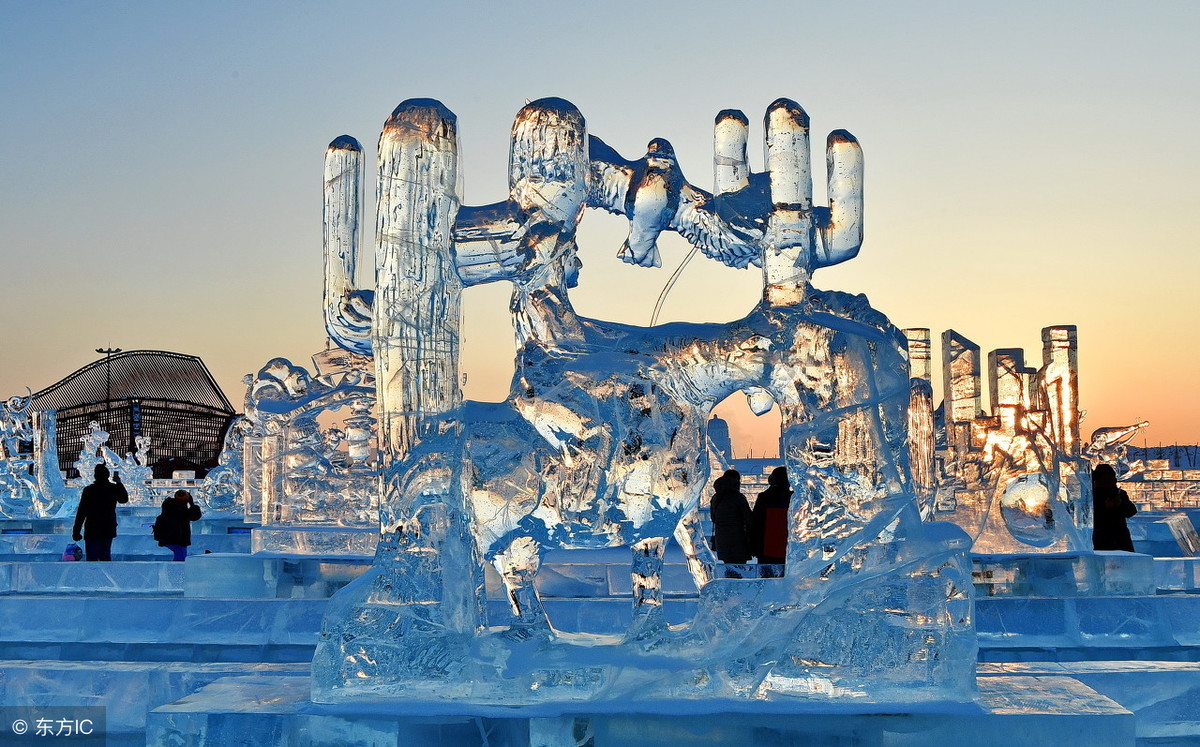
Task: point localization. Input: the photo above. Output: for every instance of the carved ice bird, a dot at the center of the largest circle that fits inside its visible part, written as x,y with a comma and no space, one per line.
651,203
653,194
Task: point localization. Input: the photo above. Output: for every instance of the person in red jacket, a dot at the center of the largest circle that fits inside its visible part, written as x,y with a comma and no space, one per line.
769,524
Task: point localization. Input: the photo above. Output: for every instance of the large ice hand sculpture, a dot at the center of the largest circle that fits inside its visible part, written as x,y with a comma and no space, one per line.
601,440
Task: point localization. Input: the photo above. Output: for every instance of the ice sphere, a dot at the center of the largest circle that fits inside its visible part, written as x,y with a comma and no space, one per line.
1026,507
602,440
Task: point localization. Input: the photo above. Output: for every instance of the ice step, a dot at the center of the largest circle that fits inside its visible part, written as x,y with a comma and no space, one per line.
128,690
132,521
124,544
1164,696
1008,711
117,577
1088,628
148,628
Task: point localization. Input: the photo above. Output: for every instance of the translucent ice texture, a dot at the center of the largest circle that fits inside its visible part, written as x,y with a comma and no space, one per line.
602,443
18,488
222,486
1016,479
285,467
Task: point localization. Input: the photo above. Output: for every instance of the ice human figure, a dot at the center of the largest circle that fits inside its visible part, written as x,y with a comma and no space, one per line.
601,441
16,426
89,455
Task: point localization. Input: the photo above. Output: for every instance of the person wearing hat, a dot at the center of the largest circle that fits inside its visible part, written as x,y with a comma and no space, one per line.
730,514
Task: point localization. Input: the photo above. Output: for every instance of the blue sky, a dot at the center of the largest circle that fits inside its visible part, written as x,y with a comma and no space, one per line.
1027,164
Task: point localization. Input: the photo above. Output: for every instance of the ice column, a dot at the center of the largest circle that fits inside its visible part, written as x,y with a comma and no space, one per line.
347,311
1009,380
417,290
919,366
921,437
731,171
1060,382
787,259
960,382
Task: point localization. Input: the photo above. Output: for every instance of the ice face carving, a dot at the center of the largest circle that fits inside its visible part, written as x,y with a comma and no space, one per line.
601,440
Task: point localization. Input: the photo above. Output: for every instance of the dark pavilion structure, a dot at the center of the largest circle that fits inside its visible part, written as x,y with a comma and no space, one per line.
170,397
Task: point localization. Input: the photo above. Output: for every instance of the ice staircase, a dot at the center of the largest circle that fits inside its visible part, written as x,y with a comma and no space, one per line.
166,645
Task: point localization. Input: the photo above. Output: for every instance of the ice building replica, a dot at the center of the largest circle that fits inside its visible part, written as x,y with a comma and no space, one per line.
537,571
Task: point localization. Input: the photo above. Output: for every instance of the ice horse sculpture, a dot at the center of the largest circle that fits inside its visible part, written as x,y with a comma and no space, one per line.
601,441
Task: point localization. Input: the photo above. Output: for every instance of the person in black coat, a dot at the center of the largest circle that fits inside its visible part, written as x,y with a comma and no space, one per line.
173,527
730,514
1110,508
96,517
769,524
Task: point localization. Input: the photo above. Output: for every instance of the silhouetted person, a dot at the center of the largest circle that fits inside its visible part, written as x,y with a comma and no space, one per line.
96,518
769,523
173,527
730,513
1110,508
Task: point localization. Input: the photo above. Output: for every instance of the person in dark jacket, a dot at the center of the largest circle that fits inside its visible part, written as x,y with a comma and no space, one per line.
96,517
173,527
1110,508
769,524
730,514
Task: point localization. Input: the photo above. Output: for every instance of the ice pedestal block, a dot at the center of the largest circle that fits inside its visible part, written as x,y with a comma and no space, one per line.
1177,574
601,442
325,541
1164,696
1164,535
127,690
1066,574
117,577
258,577
1163,627
1010,708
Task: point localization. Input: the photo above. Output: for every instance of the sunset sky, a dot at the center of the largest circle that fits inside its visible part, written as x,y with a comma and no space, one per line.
1027,164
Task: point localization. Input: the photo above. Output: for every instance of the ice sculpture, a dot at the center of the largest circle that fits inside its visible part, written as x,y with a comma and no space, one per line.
17,485
1109,445
601,442
283,464
1015,479
134,469
222,486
